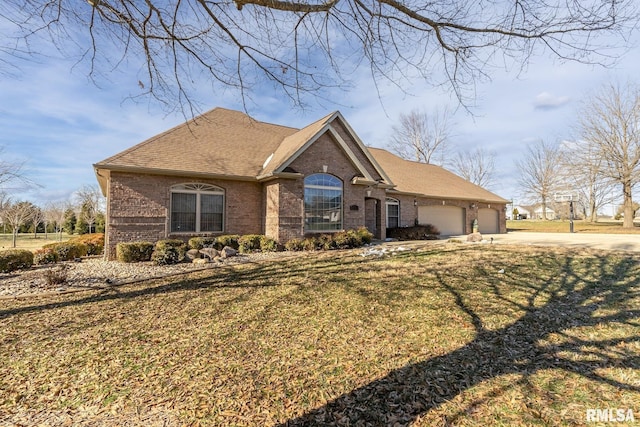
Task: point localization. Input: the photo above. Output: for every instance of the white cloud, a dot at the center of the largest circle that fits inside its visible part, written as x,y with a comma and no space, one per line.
63,123
548,101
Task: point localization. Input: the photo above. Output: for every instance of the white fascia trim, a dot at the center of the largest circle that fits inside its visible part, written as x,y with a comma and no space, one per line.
366,152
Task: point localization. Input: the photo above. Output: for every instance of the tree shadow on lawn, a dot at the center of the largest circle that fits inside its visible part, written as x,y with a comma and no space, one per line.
250,276
570,300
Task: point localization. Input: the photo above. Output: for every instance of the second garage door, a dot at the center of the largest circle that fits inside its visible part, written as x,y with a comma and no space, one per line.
449,220
488,221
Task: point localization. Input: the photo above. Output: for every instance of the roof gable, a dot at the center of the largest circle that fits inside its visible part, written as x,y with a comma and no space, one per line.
296,144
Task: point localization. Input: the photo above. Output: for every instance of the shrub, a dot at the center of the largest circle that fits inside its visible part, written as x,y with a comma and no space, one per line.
94,243
326,242
310,244
56,276
68,250
294,245
249,243
15,259
346,239
201,242
45,256
267,244
418,232
169,251
230,240
365,236
134,251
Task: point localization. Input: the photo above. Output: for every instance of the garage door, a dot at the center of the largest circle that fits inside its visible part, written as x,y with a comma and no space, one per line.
448,219
488,221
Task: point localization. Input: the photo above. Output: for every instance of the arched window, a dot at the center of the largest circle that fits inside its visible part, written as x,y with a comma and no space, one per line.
393,212
197,208
322,203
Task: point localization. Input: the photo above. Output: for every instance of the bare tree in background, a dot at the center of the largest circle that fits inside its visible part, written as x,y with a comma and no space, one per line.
582,174
37,218
303,46
10,170
539,171
5,201
477,166
422,137
55,213
15,215
610,120
91,204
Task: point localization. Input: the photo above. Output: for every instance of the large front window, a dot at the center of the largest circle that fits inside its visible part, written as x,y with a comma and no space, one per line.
322,203
197,208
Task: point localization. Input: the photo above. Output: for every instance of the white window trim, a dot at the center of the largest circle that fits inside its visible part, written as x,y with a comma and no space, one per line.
391,201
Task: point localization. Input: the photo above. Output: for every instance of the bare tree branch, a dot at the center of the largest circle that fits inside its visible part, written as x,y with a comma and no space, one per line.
301,46
422,136
477,166
610,120
539,172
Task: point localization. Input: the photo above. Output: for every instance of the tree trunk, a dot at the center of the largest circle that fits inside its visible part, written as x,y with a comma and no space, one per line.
593,214
14,237
628,205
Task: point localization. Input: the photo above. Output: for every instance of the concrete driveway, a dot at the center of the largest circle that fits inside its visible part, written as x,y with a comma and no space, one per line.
617,242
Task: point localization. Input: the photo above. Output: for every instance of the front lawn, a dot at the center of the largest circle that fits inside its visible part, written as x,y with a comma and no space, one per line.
579,226
31,242
454,334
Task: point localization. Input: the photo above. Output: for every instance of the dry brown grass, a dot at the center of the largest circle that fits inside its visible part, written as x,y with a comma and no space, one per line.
579,226
435,337
29,242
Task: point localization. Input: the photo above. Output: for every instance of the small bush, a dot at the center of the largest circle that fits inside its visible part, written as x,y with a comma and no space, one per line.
267,244
134,251
230,240
418,232
310,244
346,239
56,276
294,245
365,235
45,256
94,243
202,242
68,250
249,243
326,242
15,259
169,251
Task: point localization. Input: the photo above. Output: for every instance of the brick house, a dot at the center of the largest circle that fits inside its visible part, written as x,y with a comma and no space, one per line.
226,173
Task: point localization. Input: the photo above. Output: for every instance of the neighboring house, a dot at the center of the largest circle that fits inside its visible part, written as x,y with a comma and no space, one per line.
539,214
226,173
524,212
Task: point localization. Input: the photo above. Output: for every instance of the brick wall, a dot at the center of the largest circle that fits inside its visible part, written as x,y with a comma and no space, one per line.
327,152
284,209
138,207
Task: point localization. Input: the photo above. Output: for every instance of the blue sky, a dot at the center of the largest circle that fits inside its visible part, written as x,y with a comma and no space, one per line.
60,122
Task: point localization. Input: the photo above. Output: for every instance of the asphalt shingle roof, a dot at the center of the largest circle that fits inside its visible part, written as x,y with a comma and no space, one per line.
219,142
230,143
430,180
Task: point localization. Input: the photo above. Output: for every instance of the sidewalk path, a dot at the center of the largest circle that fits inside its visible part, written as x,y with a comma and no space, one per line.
618,242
